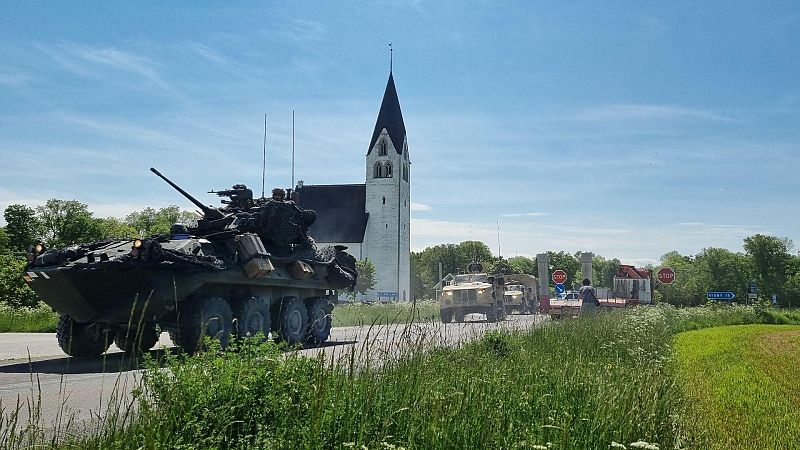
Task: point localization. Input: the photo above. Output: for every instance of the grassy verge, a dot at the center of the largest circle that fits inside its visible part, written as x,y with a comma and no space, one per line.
609,381
28,320
346,314
743,381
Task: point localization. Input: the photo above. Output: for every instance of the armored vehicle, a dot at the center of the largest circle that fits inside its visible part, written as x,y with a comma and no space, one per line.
246,269
469,293
520,293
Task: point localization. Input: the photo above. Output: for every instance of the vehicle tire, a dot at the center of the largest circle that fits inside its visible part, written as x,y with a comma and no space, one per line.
251,317
201,318
292,321
319,320
461,317
137,339
446,315
82,339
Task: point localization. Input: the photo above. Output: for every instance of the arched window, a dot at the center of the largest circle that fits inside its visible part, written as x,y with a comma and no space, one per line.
405,172
382,147
388,170
378,170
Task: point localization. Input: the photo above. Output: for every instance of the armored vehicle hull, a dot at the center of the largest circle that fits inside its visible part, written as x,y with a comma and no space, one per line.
243,271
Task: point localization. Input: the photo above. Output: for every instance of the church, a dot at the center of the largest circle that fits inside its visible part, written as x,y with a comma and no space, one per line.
372,219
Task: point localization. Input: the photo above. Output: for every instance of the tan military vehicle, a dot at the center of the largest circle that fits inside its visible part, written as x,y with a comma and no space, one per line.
521,293
472,293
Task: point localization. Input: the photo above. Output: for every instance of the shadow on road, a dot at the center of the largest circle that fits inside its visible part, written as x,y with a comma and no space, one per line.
112,362
108,363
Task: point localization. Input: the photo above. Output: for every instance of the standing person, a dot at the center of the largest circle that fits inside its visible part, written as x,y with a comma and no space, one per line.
588,294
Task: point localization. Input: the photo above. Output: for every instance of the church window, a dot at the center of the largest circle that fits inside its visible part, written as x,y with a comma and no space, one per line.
382,147
405,173
382,169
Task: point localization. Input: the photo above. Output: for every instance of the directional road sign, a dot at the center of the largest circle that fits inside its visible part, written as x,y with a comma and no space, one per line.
666,275
720,295
559,276
560,288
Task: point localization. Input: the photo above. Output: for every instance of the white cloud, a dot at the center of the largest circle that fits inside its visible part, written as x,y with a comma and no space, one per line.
420,207
527,214
657,112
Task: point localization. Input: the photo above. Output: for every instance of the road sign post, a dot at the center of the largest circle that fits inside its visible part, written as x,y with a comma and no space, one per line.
559,276
666,275
724,295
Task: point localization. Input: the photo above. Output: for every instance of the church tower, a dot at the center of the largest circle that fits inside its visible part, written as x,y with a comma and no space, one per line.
387,240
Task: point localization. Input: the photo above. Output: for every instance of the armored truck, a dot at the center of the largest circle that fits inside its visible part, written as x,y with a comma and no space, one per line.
470,293
243,270
520,293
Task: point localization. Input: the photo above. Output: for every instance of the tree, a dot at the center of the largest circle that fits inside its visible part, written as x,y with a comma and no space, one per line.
65,222
566,262
522,264
366,277
500,266
771,261
22,227
4,242
149,221
604,271
13,290
113,228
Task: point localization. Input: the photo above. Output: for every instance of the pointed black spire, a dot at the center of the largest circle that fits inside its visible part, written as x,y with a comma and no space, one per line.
391,118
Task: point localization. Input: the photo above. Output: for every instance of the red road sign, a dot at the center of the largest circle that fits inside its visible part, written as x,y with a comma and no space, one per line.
559,276
666,275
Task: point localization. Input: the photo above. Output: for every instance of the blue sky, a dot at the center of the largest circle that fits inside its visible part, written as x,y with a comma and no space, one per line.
623,128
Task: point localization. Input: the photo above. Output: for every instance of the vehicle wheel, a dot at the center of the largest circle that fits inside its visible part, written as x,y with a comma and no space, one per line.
461,317
446,315
137,339
200,318
251,317
319,320
292,323
82,339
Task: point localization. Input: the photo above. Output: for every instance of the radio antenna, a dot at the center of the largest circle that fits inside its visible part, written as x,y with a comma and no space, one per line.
264,161
292,149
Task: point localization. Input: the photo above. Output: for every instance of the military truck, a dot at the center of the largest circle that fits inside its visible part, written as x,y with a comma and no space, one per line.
520,293
243,270
469,293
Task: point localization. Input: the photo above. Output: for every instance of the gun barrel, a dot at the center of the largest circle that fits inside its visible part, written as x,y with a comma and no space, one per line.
211,213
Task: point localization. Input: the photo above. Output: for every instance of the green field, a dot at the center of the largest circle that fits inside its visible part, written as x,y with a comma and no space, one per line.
346,314
742,381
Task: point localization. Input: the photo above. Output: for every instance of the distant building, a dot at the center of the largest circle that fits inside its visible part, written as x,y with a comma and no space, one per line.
633,283
372,219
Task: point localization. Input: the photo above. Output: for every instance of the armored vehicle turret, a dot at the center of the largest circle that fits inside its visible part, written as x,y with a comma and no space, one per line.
246,269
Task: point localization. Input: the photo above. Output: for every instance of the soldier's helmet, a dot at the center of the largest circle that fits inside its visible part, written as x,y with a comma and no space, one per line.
278,194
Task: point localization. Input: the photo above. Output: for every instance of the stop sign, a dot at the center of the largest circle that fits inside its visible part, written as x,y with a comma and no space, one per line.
666,275
559,276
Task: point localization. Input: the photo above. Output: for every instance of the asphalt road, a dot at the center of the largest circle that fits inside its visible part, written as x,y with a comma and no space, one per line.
34,371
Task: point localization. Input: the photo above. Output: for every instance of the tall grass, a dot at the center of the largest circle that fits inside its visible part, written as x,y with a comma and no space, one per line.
41,319
596,382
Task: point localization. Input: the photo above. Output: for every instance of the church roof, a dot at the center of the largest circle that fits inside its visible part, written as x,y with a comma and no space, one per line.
341,216
391,118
